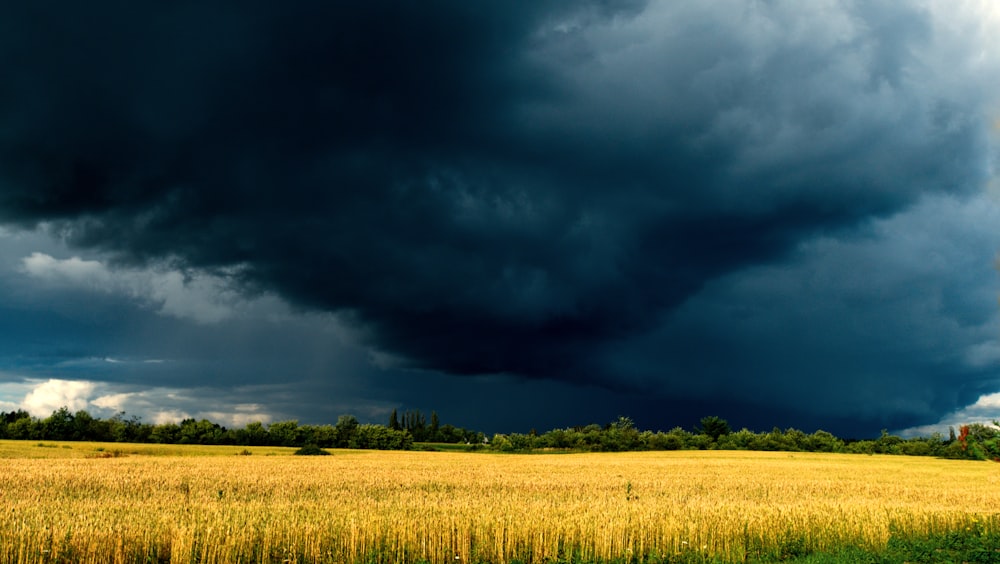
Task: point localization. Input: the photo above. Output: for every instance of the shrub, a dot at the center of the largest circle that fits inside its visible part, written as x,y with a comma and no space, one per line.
311,450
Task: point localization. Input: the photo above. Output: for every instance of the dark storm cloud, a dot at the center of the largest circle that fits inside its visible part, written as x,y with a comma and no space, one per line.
482,188
891,326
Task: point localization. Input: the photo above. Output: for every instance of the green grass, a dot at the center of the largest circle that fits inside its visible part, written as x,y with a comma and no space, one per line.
970,545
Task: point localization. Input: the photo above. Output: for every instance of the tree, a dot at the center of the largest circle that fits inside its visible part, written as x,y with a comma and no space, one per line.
379,437
394,421
166,433
622,435
414,422
344,430
254,434
12,416
25,428
744,439
888,444
450,434
623,424
84,426
59,426
714,427
981,441
323,436
129,430
822,441
432,434
202,432
283,433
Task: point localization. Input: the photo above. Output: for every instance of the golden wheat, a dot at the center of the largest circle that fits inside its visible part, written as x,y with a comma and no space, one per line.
438,507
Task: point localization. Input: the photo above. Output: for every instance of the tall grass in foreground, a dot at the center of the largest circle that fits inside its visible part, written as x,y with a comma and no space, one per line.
448,507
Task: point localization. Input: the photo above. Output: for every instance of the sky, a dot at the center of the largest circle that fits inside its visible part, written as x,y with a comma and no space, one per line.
521,216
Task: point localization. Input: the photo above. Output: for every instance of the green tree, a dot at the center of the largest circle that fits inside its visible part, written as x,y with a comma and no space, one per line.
451,434
7,418
381,438
128,430
701,441
797,439
432,432
888,444
325,436
344,430
284,433
414,422
84,426
623,424
166,433
822,441
743,439
981,441
916,447
557,438
622,435
254,434
202,432
394,421
59,426
28,428
714,427
861,447
12,416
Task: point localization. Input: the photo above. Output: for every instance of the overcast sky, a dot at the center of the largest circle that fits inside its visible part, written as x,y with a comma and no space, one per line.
520,215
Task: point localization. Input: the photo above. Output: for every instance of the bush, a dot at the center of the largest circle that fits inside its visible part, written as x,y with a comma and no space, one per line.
312,450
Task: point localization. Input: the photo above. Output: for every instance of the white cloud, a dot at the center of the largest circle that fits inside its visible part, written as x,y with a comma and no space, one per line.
989,403
114,402
984,410
53,394
166,405
236,418
155,405
76,271
9,406
199,296
168,416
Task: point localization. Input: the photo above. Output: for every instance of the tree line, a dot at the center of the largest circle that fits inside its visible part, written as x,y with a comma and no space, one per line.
714,433
412,429
433,431
348,432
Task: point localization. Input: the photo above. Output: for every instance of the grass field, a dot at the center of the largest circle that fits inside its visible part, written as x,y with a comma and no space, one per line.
70,502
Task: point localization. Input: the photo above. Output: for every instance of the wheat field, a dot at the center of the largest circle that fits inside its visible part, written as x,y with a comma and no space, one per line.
438,507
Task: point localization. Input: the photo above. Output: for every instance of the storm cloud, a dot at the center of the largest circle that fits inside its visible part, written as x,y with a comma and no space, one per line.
553,191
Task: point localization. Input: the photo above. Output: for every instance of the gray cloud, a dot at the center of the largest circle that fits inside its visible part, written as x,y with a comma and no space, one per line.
518,191
892,324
